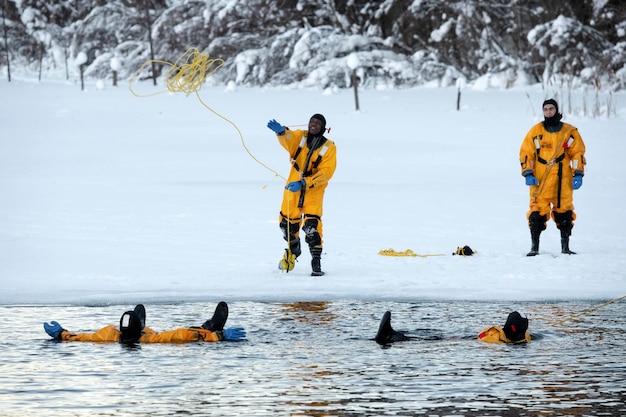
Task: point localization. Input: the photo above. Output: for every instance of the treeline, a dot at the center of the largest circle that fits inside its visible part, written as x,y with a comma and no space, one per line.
324,42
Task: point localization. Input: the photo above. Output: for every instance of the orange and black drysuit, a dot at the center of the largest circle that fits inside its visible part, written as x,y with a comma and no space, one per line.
313,160
552,152
515,330
495,334
111,333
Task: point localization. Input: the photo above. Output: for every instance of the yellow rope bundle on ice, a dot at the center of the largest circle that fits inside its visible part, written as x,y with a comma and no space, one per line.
187,75
408,252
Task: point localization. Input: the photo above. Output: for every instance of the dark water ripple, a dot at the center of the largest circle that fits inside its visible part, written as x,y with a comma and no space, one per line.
319,359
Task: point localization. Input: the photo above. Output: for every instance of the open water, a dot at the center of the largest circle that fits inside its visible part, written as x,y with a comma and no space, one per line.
319,359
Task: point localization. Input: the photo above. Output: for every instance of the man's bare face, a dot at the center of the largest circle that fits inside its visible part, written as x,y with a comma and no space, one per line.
549,110
315,126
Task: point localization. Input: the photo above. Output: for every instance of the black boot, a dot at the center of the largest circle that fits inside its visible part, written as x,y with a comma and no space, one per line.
141,313
565,234
565,246
316,262
316,266
386,334
217,322
534,248
564,222
537,224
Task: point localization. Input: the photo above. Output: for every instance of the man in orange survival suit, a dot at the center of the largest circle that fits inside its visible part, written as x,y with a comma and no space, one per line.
552,157
132,329
514,331
313,162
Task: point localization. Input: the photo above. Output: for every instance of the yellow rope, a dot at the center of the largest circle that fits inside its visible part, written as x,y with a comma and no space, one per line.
187,75
408,252
588,311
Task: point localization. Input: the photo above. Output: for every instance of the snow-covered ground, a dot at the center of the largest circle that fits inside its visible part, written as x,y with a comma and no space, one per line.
106,197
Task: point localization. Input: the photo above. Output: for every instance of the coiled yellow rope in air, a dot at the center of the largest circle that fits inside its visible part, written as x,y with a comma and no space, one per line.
187,75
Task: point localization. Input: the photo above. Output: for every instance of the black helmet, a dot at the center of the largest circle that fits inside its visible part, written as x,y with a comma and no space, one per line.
515,327
130,327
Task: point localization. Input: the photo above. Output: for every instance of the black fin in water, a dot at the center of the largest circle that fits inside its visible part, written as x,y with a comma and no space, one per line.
386,334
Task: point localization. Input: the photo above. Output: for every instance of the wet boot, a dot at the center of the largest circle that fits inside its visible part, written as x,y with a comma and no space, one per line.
534,248
565,246
316,262
140,310
564,222
537,224
217,322
386,334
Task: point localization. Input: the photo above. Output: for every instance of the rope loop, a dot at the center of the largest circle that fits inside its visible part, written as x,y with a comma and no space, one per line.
190,71
187,75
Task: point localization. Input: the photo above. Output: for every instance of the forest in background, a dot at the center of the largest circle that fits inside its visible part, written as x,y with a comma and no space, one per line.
324,43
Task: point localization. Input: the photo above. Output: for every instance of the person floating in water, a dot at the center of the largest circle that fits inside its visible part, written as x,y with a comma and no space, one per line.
514,331
132,329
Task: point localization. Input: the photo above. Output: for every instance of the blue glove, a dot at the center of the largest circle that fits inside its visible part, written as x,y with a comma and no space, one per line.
53,329
577,181
234,334
295,186
276,127
530,178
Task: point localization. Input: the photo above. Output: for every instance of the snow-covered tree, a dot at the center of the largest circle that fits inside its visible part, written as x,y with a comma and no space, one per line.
318,42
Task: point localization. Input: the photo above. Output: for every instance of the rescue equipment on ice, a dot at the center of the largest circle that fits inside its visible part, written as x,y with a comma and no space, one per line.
408,252
464,251
288,262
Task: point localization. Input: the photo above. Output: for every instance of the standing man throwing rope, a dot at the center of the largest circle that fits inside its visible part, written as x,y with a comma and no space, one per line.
552,156
313,163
